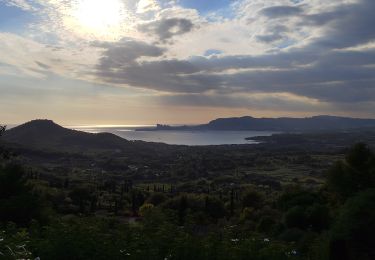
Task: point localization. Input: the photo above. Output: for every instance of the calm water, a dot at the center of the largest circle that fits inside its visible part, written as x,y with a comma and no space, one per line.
177,137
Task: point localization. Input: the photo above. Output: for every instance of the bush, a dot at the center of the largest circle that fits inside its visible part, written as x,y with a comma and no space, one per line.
296,217
17,202
156,198
352,235
319,217
252,199
266,224
355,174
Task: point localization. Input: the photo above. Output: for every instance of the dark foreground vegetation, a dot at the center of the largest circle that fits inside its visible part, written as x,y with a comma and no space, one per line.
289,199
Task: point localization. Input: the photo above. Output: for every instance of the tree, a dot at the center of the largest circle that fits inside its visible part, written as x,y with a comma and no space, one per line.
157,198
80,196
137,199
214,207
356,173
145,208
352,236
319,217
232,202
252,199
14,243
17,203
297,196
2,129
296,217
182,208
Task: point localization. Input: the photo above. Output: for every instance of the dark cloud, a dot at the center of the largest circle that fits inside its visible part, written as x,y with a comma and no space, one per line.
274,33
167,28
347,26
42,65
268,38
279,103
321,80
338,76
323,69
281,11
270,102
325,84
125,53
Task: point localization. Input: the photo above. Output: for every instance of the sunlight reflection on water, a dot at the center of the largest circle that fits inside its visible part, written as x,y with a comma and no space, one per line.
178,137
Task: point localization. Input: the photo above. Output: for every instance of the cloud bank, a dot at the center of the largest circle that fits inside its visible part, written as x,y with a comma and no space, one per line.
307,55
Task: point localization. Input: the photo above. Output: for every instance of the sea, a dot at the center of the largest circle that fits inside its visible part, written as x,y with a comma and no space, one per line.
176,137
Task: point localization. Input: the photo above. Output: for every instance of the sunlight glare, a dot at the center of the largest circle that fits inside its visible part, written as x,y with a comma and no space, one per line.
98,18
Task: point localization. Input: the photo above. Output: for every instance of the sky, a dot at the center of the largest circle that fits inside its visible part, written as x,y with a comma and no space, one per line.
185,61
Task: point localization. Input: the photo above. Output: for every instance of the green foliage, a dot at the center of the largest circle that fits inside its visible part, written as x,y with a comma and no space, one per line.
247,214
252,199
156,238
352,235
296,217
157,198
17,202
292,235
2,129
296,196
355,174
304,209
198,219
214,207
360,157
77,239
315,217
143,210
182,207
340,180
319,217
266,225
81,197
14,243
210,206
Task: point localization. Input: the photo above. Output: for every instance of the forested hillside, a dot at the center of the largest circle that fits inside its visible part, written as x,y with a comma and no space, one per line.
225,202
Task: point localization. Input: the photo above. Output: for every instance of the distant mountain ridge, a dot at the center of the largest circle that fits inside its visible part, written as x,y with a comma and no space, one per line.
248,123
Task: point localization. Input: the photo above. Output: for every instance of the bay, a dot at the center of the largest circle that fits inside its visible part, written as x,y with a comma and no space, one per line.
191,138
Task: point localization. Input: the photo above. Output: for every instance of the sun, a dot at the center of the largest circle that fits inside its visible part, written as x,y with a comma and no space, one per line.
97,18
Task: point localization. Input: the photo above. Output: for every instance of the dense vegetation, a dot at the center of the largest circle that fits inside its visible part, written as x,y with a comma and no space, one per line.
203,205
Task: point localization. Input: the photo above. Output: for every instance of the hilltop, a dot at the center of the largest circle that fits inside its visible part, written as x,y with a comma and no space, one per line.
47,134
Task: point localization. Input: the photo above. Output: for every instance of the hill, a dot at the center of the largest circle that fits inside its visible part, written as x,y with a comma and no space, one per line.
45,134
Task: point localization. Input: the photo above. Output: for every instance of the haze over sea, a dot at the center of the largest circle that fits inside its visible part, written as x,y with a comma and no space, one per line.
175,136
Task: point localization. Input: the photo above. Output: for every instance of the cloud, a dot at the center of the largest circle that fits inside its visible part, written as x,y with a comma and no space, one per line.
144,6
22,4
269,37
273,34
28,58
263,103
126,52
165,29
259,54
273,101
316,69
281,11
347,26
